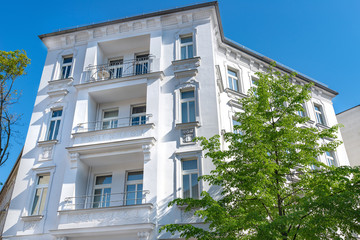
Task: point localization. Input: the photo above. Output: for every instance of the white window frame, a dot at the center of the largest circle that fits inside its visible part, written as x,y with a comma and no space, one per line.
41,187
140,115
114,121
330,158
66,65
57,123
190,173
114,69
102,186
304,111
186,45
322,114
136,183
233,79
187,101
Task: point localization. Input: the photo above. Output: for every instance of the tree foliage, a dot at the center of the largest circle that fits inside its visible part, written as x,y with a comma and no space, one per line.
12,65
273,186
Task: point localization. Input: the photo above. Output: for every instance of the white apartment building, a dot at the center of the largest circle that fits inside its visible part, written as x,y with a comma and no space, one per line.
110,138
350,132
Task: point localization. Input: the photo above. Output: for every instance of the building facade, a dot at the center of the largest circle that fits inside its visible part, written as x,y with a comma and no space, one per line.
351,133
110,138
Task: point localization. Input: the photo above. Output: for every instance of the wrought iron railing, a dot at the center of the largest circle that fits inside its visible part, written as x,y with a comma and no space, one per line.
117,69
106,200
112,123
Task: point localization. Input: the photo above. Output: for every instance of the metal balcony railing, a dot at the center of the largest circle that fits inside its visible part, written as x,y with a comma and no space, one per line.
117,69
112,123
106,200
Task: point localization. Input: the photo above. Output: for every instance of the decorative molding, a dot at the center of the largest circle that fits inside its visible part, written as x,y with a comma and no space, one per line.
32,218
187,135
146,151
47,143
187,125
186,67
143,235
234,94
58,93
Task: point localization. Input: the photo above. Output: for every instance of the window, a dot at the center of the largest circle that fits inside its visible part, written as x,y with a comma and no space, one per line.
254,84
236,123
233,80
186,47
319,114
142,64
102,191
54,124
110,119
330,159
187,106
66,67
302,113
134,188
116,68
138,115
190,184
42,184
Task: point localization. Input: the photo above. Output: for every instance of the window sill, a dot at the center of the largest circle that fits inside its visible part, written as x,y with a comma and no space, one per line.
235,94
47,143
195,60
62,80
187,125
32,218
319,125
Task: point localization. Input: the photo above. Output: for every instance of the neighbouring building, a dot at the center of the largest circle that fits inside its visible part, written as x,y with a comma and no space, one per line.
351,133
119,102
6,192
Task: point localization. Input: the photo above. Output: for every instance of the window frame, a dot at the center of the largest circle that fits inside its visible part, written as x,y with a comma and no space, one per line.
115,68
187,101
56,126
322,114
186,45
145,64
103,186
140,115
112,120
234,79
68,73
136,183
331,158
304,111
42,187
190,173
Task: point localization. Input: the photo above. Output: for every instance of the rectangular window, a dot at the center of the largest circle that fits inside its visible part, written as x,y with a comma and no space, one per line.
134,188
319,114
42,184
187,106
236,123
102,191
116,68
233,80
138,115
301,113
66,67
110,119
186,47
330,159
190,182
54,124
142,64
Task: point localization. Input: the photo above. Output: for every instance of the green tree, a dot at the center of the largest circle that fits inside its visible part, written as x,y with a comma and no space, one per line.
272,186
12,66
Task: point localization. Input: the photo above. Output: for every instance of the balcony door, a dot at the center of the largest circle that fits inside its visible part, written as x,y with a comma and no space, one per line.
110,119
138,115
116,68
134,188
102,191
142,64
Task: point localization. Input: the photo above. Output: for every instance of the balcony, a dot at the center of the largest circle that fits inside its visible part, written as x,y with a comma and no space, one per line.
118,69
116,129
113,213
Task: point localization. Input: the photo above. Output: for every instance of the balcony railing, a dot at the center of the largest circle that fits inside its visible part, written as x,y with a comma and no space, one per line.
112,123
117,69
106,200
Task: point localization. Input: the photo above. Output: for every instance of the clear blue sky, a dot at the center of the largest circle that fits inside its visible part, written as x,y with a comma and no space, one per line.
319,38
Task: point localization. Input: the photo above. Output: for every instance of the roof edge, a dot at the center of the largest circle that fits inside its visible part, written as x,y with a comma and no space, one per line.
127,19
349,109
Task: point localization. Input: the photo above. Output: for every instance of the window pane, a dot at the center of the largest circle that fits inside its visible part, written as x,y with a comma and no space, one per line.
139,195
232,73
57,126
139,109
116,62
190,51
194,186
36,202
183,52
186,186
184,113
230,83
42,203
143,119
135,121
186,39
111,114
67,72
187,94
189,165
51,130
63,72
97,198
100,180
43,179
192,111
56,113
130,194
67,60
106,197
135,176
236,87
